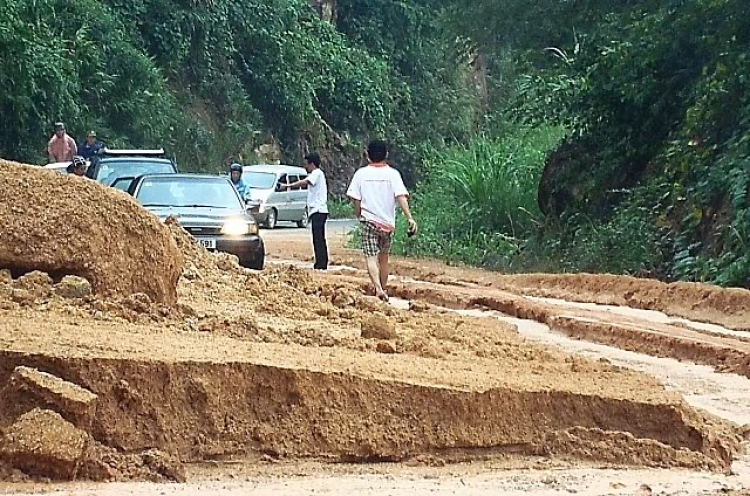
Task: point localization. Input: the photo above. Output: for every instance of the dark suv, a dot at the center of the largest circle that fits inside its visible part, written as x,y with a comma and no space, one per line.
123,166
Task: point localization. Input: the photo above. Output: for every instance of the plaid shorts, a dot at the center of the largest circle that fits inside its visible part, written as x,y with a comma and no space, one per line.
374,240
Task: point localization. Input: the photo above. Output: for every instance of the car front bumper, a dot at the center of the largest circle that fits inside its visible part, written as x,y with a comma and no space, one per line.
249,249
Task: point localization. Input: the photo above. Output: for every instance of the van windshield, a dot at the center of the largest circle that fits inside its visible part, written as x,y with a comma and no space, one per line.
259,180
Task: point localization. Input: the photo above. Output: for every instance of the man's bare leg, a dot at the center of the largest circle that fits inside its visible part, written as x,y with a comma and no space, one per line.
374,272
384,269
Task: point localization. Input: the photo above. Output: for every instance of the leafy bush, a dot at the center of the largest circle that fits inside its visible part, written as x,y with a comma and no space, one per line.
340,208
478,202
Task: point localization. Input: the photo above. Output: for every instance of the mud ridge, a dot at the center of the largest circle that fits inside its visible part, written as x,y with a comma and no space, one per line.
725,353
203,410
727,307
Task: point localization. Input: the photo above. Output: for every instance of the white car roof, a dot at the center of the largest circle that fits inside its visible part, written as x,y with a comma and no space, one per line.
276,169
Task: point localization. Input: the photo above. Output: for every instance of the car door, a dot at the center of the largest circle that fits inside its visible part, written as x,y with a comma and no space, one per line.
301,198
282,198
294,207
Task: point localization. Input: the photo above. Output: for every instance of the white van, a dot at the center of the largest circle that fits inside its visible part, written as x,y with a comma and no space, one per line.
271,204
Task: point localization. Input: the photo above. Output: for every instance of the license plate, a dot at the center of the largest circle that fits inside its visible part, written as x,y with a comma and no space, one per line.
209,244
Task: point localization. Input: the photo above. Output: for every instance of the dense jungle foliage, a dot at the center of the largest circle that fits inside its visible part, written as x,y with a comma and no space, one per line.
210,79
556,135
651,176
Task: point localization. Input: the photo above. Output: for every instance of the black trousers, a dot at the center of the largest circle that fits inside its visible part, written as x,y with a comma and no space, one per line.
320,246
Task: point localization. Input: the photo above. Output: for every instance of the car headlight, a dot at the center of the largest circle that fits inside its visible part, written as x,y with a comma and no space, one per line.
236,227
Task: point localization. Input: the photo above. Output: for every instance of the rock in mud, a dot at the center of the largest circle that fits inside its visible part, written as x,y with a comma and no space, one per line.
385,347
378,327
42,443
34,281
29,388
164,465
5,277
418,306
22,296
111,240
73,287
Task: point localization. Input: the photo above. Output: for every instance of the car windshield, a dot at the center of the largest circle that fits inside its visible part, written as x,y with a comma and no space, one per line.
259,180
109,172
188,192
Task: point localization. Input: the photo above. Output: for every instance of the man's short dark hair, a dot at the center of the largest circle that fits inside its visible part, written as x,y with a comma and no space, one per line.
313,158
377,150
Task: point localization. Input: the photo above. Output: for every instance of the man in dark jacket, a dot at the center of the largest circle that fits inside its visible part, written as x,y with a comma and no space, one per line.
89,147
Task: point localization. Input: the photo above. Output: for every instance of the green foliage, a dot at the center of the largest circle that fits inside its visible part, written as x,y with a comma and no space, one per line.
478,203
213,79
340,208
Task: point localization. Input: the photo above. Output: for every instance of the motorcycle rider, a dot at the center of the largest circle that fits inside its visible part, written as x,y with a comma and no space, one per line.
77,166
235,174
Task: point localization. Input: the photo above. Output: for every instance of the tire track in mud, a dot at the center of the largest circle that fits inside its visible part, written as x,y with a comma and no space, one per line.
728,353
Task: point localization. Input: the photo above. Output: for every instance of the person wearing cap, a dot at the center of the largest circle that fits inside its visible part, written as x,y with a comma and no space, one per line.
61,148
77,167
235,174
90,146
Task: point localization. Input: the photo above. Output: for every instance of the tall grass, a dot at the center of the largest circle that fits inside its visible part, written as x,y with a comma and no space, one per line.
479,201
494,182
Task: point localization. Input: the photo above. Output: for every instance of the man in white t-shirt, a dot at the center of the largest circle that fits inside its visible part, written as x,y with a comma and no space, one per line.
375,191
317,207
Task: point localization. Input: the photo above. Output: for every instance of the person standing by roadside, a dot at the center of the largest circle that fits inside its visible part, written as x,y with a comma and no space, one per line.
61,148
375,190
90,146
235,174
317,207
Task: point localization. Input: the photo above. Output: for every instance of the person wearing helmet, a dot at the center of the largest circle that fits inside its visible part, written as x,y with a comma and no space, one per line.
77,166
235,174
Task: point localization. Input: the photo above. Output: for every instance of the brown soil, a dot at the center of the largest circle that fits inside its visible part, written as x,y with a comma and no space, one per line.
246,364
728,307
66,225
275,363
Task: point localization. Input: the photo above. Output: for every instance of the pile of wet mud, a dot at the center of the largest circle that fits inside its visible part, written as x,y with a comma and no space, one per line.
286,363
67,225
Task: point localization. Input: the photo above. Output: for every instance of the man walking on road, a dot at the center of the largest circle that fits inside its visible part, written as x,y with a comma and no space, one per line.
317,207
375,191
61,148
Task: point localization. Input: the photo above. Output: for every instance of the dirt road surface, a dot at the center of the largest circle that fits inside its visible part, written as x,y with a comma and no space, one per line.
591,396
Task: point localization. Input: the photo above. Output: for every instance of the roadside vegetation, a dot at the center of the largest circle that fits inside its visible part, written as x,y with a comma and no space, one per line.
604,136
651,176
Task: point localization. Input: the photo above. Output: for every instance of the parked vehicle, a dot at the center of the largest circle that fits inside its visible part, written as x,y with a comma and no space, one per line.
61,167
208,207
271,204
124,166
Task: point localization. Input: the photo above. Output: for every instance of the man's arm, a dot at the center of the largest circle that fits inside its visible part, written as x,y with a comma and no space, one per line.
299,184
73,146
357,207
403,202
50,155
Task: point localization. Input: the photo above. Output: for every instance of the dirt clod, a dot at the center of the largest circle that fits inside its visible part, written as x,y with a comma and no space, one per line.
385,347
73,287
42,443
378,327
111,241
29,388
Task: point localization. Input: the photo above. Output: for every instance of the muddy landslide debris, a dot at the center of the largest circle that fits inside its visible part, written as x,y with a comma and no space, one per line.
73,287
378,327
42,443
66,225
28,388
